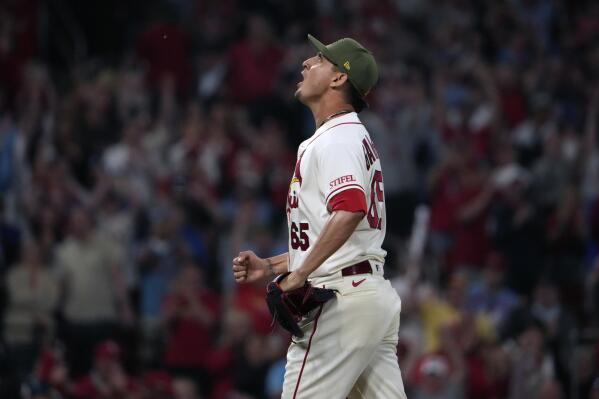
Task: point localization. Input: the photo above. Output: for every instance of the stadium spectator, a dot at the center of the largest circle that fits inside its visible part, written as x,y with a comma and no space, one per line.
51,371
157,384
439,313
489,295
107,379
254,62
93,289
32,299
189,317
165,46
442,374
531,367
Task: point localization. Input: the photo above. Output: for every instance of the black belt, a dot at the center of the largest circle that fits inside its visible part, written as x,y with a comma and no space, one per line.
359,268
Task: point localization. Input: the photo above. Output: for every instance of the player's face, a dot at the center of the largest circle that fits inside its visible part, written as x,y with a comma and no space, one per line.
317,73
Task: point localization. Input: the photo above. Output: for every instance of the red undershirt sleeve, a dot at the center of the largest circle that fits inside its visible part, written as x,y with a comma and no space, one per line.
351,200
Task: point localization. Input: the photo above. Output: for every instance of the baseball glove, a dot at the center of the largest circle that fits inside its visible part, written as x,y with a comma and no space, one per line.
288,308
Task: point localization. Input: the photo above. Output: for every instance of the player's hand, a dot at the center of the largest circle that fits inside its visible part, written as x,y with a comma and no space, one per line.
293,281
248,267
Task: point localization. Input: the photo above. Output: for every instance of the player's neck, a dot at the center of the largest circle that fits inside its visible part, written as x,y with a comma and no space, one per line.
325,112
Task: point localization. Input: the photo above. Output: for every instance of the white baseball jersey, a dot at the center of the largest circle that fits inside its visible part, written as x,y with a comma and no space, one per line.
340,156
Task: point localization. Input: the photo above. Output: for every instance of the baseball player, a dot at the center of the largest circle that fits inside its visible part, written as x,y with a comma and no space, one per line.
336,218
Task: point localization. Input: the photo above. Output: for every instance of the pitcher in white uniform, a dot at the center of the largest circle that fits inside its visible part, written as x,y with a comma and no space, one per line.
337,223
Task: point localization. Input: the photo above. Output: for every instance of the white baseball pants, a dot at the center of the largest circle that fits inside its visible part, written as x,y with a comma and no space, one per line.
349,344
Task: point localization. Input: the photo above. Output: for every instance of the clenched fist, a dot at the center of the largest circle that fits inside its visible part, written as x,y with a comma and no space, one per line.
248,267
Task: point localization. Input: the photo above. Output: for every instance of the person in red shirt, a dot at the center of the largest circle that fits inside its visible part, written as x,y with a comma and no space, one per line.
107,379
189,314
50,372
471,243
249,299
254,63
460,198
165,47
157,384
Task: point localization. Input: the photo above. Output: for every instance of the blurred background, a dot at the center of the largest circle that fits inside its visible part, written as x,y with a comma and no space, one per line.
144,143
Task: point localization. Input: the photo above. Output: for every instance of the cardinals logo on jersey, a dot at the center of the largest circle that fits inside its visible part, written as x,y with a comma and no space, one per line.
294,186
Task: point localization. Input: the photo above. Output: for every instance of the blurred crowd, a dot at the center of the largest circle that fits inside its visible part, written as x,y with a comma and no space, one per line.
134,170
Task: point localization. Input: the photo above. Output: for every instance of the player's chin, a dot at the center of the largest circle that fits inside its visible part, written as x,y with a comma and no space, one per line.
300,96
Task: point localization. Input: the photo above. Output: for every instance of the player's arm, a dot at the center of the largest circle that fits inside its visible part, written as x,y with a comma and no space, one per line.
335,233
249,267
277,264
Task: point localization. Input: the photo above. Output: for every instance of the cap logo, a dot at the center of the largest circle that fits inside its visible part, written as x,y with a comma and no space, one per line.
346,65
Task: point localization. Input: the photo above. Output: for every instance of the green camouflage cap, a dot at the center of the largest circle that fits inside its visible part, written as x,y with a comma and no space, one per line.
352,58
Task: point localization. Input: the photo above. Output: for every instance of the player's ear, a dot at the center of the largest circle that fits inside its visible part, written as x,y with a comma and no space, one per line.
338,79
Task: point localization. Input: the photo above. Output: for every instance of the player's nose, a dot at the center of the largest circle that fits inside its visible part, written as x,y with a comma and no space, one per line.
306,64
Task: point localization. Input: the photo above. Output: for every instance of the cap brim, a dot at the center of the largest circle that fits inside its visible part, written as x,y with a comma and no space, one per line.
321,47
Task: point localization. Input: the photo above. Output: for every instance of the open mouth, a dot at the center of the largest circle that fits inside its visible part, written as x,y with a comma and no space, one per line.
301,81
